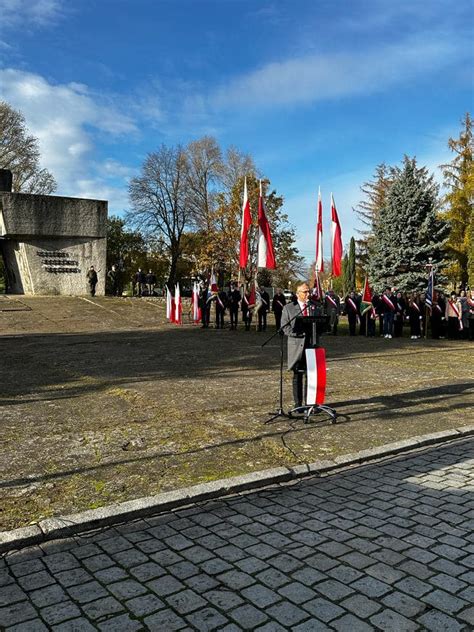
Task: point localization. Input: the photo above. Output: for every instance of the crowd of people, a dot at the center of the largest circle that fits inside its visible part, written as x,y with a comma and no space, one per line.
390,314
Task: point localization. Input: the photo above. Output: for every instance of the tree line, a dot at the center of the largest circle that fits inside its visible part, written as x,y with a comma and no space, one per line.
184,217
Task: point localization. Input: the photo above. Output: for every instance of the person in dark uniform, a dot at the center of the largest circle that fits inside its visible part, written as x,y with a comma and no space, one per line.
399,316
92,280
247,310
234,299
298,333
333,306
150,280
264,308
352,309
139,281
221,305
414,316
205,306
278,303
437,315
114,280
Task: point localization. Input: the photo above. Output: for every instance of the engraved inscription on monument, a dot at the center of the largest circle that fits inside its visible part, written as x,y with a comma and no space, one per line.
58,262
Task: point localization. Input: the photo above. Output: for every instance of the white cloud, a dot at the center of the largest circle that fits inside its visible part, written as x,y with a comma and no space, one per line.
66,119
38,13
318,77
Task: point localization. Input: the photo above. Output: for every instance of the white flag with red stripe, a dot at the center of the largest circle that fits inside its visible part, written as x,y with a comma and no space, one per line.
244,233
178,308
266,255
336,241
213,283
196,310
319,236
316,371
169,305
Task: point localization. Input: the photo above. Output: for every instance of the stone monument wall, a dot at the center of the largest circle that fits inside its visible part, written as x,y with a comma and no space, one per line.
49,242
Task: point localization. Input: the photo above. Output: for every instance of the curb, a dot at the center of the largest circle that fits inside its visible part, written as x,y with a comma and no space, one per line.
52,528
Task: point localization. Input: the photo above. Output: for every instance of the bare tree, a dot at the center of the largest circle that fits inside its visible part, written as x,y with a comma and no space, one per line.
204,173
20,153
159,201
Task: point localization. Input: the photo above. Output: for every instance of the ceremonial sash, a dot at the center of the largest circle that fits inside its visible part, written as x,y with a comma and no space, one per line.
279,303
400,308
415,305
436,306
316,371
331,300
388,302
352,304
471,305
220,302
456,311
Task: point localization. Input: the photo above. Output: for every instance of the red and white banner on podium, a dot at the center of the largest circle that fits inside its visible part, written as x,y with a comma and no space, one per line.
316,375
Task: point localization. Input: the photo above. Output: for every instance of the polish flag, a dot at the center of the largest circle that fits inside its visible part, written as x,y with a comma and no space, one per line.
319,236
316,376
196,310
244,233
336,241
169,305
178,308
213,283
266,255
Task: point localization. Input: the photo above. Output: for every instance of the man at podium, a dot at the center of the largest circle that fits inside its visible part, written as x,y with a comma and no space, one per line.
299,333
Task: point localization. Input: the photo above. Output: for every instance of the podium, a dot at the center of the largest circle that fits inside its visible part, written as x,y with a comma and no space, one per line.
315,324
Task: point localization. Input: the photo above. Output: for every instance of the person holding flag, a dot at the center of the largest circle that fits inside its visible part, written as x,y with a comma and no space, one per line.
233,299
352,309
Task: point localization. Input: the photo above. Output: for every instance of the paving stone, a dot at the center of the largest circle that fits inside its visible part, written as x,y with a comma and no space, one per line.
97,562
360,605
197,554
166,585
27,568
438,621
165,620
444,601
468,616
122,623
48,596
287,614
166,557
384,572
33,625
344,574
404,604
17,613
87,592
236,579
308,576
73,577
201,582
75,625
60,612
227,599
147,571
262,551
271,626
312,625
413,586
60,562
115,544
370,586
352,623
323,609
208,619
144,605
11,593
215,566
86,550
102,608
272,578
334,589
127,589
36,580
111,574
391,621
251,565
446,582
186,601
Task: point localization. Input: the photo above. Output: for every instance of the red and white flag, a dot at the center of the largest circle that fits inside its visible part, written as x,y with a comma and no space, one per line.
178,308
336,241
266,255
213,283
316,382
244,233
169,305
196,310
319,236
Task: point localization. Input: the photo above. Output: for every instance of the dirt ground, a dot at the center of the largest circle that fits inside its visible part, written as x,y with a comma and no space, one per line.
102,401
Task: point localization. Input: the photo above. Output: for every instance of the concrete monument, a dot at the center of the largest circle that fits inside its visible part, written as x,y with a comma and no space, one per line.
48,242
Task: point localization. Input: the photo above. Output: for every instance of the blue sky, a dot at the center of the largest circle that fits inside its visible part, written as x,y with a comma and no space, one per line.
318,92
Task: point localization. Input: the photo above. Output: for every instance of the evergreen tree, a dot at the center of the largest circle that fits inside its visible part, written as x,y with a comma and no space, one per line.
470,262
375,194
408,231
459,179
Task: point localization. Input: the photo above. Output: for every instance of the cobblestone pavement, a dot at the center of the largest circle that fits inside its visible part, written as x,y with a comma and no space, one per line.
388,546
